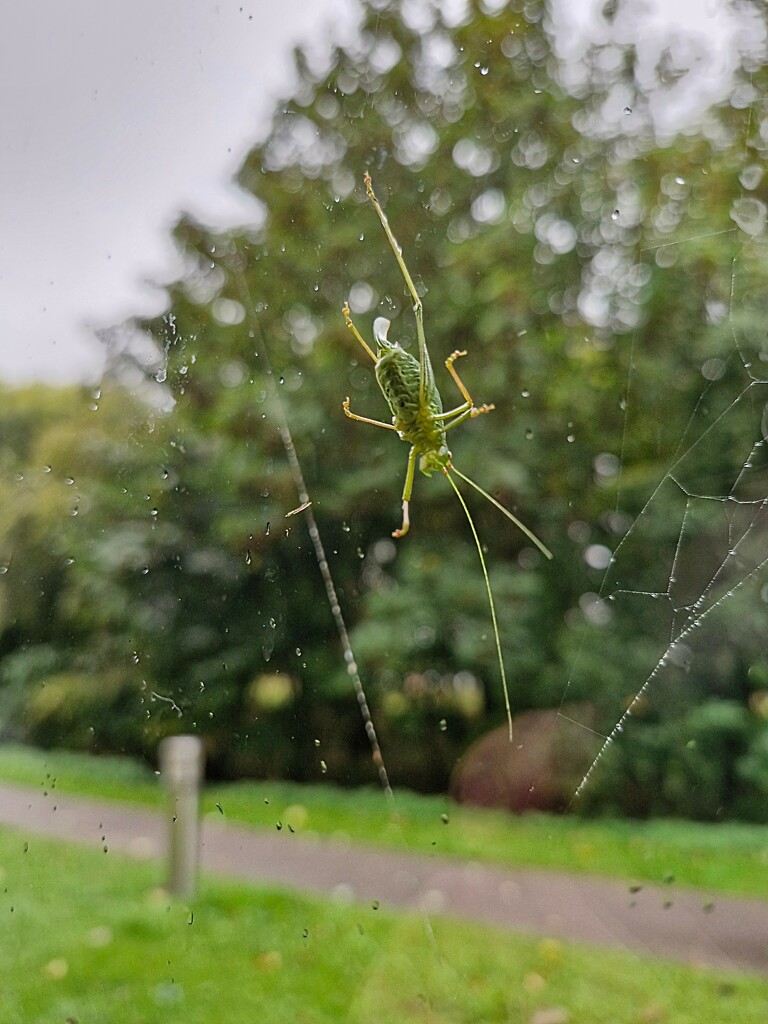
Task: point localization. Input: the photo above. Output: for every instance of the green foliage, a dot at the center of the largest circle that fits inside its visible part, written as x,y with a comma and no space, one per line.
611,311
707,759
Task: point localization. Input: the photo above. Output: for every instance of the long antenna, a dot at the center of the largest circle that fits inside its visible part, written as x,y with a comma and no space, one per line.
488,591
521,526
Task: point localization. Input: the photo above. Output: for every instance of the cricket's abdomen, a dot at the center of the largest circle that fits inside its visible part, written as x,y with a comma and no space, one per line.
398,376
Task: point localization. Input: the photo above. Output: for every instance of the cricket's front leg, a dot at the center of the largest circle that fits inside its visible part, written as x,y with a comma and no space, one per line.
357,334
407,494
474,410
365,419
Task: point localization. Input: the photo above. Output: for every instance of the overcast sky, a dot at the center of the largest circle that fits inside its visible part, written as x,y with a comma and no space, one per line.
115,116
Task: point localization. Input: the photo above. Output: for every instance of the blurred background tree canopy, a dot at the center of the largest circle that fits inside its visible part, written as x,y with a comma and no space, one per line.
608,286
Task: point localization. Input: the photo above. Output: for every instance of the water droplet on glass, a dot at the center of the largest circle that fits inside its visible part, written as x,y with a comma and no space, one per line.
749,214
750,176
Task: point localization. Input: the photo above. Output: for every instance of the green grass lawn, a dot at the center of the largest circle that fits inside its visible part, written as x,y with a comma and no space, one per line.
727,857
87,936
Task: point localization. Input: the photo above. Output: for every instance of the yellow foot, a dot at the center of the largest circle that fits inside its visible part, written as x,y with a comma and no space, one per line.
406,523
479,410
453,357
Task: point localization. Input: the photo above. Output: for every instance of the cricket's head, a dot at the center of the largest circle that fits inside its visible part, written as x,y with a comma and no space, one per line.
437,461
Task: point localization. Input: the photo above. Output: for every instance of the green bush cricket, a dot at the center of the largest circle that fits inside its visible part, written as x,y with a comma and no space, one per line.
408,385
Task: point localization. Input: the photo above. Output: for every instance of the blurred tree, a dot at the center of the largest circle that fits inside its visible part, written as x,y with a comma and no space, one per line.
589,273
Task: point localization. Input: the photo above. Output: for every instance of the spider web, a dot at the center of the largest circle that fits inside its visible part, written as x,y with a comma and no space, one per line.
693,598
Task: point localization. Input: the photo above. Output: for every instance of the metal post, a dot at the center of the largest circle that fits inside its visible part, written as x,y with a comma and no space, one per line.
181,768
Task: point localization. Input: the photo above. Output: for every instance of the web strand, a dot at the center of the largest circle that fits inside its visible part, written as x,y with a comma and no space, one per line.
691,624
732,571
286,437
736,552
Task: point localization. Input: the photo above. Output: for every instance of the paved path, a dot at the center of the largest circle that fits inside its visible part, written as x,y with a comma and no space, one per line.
685,925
